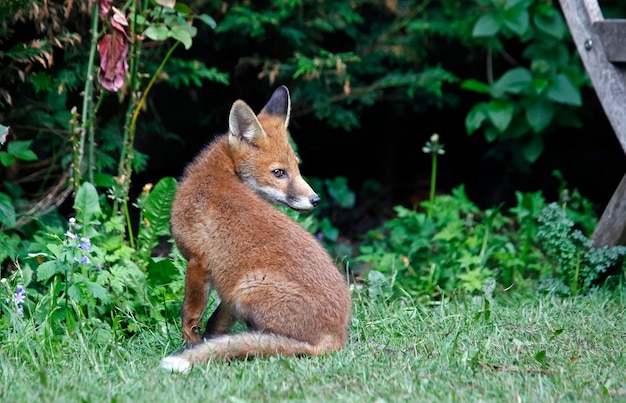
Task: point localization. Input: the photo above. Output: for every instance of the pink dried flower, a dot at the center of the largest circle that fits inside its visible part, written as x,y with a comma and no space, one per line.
105,6
113,50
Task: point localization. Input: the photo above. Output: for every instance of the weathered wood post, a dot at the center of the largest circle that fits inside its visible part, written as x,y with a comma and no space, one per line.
601,45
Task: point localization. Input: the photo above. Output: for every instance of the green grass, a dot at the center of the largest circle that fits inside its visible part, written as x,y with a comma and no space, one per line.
519,349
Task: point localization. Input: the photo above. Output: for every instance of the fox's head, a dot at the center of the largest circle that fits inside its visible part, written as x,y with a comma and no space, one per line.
263,157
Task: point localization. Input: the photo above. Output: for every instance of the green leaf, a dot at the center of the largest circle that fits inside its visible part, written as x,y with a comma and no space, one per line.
517,20
208,20
158,205
96,290
513,81
157,33
475,86
182,8
86,204
500,113
475,117
75,293
487,25
161,271
156,215
551,25
532,148
6,159
539,115
46,270
21,150
183,34
563,91
7,210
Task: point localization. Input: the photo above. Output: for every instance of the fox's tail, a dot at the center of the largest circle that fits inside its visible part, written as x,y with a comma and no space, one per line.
242,345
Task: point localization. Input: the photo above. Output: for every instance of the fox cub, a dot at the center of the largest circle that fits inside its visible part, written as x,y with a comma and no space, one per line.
267,270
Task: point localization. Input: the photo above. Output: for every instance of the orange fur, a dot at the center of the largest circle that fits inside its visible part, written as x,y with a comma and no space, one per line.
266,269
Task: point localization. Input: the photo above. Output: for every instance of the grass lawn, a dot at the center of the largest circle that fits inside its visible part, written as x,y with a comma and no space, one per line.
539,348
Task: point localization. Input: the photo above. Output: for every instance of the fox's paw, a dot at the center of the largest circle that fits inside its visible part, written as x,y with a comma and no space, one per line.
176,363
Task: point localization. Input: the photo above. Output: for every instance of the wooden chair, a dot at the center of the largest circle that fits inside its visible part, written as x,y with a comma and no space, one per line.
601,44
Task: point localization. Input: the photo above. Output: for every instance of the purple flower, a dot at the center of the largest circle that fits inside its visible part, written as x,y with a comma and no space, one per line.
18,298
85,243
70,235
84,260
20,295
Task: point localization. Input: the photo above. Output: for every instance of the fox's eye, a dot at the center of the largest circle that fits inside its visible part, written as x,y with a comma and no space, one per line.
279,173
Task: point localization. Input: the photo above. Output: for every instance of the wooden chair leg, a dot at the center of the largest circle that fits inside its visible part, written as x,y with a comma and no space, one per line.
611,229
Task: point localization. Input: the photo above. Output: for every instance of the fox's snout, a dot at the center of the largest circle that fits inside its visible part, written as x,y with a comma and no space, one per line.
315,200
300,196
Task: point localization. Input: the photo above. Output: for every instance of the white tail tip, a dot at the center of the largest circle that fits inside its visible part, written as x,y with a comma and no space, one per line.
176,364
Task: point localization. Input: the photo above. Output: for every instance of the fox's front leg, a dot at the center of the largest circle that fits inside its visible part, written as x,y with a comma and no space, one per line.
197,288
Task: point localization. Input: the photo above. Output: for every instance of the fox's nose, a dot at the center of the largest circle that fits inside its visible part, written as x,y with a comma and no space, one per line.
315,200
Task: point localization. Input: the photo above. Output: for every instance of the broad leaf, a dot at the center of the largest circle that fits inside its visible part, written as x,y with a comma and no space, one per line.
157,33
184,34
563,91
552,25
500,113
21,150
475,117
182,8
517,20
6,159
86,204
539,115
513,81
46,270
487,25
208,20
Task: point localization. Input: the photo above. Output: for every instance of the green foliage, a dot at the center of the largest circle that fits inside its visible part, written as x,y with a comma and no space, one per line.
89,279
576,261
155,206
525,101
341,57
453,245
191,72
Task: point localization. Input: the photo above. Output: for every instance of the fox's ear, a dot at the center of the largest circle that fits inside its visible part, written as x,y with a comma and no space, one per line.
279,104
243,124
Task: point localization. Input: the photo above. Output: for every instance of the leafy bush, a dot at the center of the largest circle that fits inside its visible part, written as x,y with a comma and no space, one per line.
576,261
458,246
537,93
86,276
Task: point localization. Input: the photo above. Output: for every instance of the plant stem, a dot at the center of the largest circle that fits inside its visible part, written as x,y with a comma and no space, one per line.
126,163
87,120
433,184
